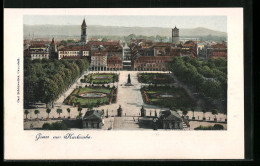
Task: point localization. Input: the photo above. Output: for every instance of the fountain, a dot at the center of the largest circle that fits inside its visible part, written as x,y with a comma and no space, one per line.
129,81
93,95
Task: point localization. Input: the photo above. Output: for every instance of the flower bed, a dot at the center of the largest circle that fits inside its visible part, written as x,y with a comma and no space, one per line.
155,78
101,78
77,96
166,96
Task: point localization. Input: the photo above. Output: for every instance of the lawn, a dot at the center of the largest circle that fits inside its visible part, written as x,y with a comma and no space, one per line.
166,96
155,78
92,96
100,78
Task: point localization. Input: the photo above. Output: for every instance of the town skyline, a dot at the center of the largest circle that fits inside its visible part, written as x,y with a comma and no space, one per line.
217,23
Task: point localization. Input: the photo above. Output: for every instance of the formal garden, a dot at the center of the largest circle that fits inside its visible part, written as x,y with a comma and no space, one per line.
92,96
100,78
155,78
167,96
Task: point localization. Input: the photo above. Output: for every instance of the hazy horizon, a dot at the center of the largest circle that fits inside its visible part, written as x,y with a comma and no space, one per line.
217,23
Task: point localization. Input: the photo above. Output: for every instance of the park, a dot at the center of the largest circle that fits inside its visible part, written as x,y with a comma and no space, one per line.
81,97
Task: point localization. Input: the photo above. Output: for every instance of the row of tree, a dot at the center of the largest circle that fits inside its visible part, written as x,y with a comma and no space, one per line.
45,80
203,76
59,111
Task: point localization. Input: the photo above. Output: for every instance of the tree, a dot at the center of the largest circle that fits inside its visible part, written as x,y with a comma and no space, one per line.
225,113
68,110
80,109
104,39
36,112
59,111
48,112
80,114
26,112
49,90
114,77
184,111
98,102
204,111
193,110
215,112
46,126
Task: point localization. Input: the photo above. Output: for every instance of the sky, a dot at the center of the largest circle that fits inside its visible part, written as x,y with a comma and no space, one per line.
218,23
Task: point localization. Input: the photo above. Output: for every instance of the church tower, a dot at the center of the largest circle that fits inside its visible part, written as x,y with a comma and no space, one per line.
83,38
175,36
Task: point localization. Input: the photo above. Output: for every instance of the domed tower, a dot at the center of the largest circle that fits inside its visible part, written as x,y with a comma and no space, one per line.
83,32
175,36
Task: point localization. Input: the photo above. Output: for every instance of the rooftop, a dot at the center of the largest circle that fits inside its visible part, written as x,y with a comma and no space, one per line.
93,114
170,115
75,48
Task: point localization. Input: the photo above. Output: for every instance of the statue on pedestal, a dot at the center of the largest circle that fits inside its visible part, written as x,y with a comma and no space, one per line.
128,81
143,112
119,111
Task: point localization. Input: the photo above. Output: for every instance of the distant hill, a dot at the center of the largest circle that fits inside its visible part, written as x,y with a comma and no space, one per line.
96,30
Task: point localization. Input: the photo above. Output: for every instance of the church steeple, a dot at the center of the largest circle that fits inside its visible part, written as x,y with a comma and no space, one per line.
83,38
83,24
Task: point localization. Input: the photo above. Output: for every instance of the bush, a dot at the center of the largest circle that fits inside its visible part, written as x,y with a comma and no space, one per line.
219,127
215,127
55,126
46,126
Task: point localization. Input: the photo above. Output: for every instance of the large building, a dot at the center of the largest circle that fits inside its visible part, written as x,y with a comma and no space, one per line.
152,63
175,36
73,52
218,50
127,58
98,61
114,63
38,51
106,55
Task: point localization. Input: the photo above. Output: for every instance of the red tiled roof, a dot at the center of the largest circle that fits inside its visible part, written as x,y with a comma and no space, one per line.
72,57
114,60
97,43
154,58
161,44
37,45
219,46
75,48
98,53
219,54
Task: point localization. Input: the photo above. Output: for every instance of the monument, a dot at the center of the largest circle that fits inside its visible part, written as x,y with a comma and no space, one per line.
129,81
143,112
119,111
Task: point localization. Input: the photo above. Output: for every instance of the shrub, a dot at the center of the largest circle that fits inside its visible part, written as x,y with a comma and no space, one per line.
219,127
46,126
215,127
55,126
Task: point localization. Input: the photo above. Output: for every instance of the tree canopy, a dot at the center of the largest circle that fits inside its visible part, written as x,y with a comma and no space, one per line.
46,79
